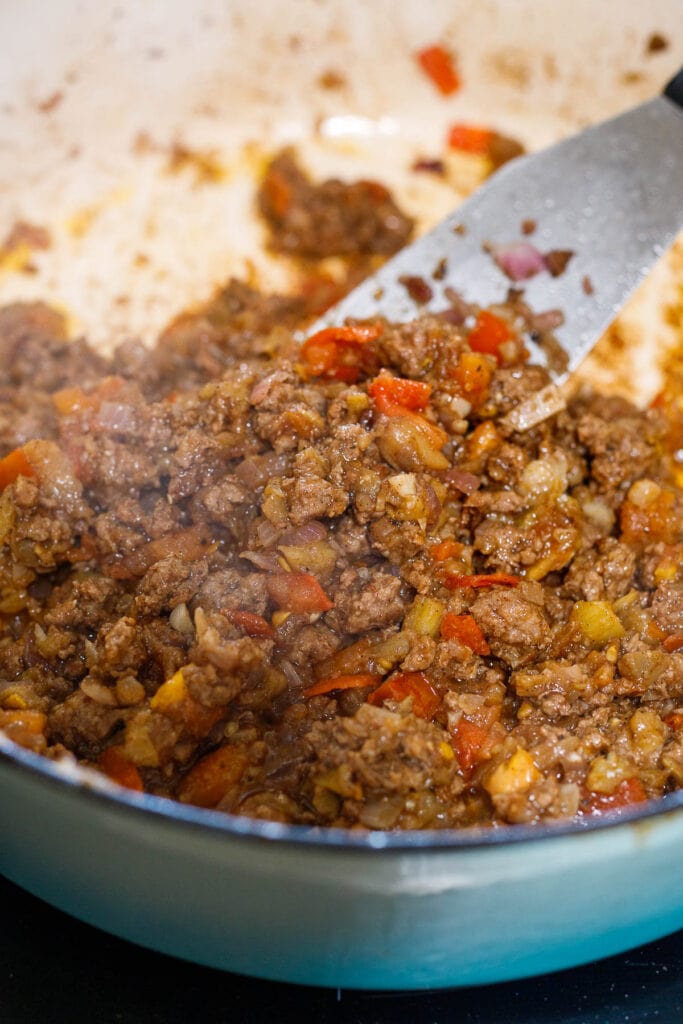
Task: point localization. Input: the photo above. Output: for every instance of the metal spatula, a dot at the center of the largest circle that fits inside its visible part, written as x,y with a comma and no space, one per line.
612,194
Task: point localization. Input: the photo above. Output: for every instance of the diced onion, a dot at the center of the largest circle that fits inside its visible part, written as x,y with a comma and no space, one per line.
545,403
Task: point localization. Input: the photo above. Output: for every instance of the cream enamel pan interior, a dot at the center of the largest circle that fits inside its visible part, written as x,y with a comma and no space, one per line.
94,100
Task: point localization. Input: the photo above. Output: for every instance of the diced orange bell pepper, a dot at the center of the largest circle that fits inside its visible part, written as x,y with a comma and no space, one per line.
298,592
656,521
446,549
438,64
464,628
208,781
277,193
14,465
348,682
409,684
116,765
473,374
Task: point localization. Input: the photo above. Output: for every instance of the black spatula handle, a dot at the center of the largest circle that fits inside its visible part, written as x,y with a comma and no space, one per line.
674,89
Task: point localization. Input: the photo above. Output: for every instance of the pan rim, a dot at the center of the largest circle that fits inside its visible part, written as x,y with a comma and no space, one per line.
170,812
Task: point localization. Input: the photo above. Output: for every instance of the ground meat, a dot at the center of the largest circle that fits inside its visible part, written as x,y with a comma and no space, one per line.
387,771
515,629
330,219
667,607
619,442
337,584
367,600
605,572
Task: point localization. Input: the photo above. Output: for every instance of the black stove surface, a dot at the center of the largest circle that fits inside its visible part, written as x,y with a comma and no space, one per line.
56,970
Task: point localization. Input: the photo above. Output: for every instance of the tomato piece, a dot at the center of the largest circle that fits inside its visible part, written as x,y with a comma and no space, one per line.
252,624
489,333
464,628
394,395
456,581
298,592
333,352
468,742
628,792
470,138
409,684
674,720
116,765
14,465
446,549
348,682
438,65
673,642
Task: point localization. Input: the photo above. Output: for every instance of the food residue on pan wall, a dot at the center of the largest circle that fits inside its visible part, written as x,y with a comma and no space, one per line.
188,89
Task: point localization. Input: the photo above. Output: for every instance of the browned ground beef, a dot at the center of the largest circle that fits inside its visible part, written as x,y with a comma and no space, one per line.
330,219
236,575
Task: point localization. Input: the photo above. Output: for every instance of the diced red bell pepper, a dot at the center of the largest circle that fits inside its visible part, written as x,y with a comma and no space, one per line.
298,592
332,353
468,742
394,395
457,581
628,792
14,465
348,682
252,624
464,628
470,138
409,684
438,64
489,333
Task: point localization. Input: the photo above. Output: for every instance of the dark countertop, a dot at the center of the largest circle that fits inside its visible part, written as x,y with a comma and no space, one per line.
56,970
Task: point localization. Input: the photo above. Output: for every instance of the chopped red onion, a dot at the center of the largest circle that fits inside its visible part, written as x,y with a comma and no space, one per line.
519,260
267,560
546,321
468,483
309,533
256,470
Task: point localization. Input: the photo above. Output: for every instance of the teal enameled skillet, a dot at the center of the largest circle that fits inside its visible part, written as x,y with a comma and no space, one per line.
325,907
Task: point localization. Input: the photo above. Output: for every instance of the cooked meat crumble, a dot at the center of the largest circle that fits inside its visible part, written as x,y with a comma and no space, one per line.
366,582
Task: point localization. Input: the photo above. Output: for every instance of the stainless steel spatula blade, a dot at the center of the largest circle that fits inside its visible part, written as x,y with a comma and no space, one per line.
613,194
